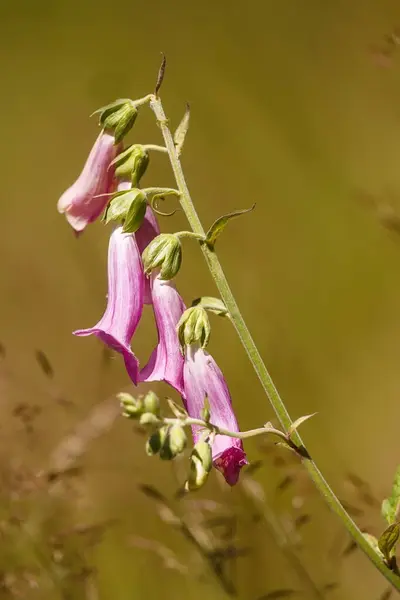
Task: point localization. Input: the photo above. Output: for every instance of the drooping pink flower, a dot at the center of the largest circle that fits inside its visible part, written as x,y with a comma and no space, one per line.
202,377
166,361
125,299
148,230
85,200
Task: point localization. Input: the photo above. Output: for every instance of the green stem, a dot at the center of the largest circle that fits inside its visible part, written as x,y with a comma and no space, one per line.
253,353
191,235
155,148
240,435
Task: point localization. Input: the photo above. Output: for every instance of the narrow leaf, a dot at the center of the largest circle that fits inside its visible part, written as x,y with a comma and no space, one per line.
294,426
391,506
181,131
214,305
177,410
205,413
219,225
161,73
388,540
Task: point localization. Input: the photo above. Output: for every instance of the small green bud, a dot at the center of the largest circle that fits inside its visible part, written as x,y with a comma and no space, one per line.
132,164
128,207
200,466
132,407
156,441
120,118
152,403
147,418
164,251
177,439
194,327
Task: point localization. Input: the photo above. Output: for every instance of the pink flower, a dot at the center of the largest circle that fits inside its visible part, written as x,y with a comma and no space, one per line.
202,377
125,299
148,230
166,361
85,200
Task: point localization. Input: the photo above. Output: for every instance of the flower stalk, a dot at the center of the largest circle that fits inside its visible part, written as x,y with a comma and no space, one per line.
249,345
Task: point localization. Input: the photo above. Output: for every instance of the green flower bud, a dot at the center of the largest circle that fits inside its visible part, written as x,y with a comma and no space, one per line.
194,327
148,418
200,466
177,439
128,207
164,251
156,441
132,407
119,117
132,163
151,403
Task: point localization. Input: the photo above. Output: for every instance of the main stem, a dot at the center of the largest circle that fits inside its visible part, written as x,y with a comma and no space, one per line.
249,345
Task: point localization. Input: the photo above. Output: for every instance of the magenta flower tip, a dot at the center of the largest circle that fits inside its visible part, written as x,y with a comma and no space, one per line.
230,463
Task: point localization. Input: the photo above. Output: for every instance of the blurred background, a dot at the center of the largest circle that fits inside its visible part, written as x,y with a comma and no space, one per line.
295,106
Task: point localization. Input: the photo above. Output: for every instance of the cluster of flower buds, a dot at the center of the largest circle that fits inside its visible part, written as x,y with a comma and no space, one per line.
142,265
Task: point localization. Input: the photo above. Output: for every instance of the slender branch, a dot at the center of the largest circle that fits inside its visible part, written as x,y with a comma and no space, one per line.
241,435
253,353
155,148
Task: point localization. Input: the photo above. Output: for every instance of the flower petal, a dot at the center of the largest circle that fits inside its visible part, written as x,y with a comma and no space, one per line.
125,299
202,377
166,361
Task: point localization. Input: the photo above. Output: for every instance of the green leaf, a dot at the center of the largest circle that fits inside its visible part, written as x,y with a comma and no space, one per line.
294,426
109,108
388,540
181,131
391,506
214,305
219,225
206,413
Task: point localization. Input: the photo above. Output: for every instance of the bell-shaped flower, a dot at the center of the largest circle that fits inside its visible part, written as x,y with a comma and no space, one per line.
166,361
203,379
148,230
125,299
86,199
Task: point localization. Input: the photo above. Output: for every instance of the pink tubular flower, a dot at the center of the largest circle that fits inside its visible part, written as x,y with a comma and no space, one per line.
166,361
85,200
202,377
125,299
148,230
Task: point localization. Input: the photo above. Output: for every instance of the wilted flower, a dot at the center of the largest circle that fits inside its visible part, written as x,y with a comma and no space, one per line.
166,362
202,378
125,299
85,200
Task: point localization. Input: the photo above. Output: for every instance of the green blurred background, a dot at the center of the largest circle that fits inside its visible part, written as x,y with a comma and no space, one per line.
295,106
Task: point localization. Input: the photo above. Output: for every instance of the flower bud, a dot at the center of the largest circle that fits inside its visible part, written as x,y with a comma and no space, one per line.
156,441
152,403
128,207
132,407
119,117
177,439
164,251
132,164
148,418
200,466
194,327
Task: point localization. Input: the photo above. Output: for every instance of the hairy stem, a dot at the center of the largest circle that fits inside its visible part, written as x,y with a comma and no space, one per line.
253,353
